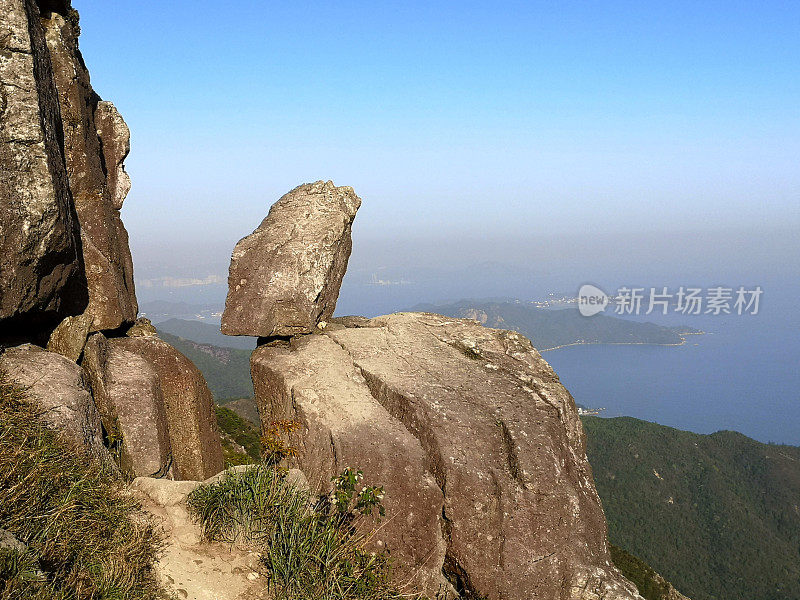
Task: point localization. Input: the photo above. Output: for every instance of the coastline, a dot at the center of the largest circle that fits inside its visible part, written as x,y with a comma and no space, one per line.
681,343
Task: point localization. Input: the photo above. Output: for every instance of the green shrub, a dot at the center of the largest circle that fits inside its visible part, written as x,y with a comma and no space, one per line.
86,539
310,549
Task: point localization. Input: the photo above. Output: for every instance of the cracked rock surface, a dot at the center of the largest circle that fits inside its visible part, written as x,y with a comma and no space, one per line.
40,258
499,435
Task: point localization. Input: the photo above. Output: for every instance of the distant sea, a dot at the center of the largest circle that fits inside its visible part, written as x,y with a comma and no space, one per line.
744,374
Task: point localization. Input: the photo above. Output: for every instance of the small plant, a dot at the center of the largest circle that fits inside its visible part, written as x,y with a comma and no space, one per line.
276,449
347,501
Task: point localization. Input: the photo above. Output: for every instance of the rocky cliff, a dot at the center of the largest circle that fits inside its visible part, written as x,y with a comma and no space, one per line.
479,446
65,266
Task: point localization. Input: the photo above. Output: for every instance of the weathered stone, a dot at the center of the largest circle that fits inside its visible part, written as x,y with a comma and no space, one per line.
69,338
41,271
57,387
115,138
189,406
128,395
142,328
285,277
9,541
504,442
95,143
316,383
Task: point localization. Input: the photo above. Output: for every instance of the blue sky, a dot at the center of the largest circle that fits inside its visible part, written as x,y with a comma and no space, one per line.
501,118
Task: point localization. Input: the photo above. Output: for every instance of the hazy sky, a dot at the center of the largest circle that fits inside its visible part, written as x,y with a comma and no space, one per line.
487,119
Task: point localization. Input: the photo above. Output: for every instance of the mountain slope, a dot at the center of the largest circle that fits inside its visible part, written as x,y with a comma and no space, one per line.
205,333
551,328
226,370
717,515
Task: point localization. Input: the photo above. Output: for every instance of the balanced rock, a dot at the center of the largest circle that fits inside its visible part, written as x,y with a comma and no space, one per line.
96,141
128,395
502,438
41,269
57,387
315,382
285,277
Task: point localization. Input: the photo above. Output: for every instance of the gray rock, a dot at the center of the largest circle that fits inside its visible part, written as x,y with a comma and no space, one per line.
115,138
69,338
131,404
316,383
9,540
41,273
188,406
57,387
96,142
285,277
503,440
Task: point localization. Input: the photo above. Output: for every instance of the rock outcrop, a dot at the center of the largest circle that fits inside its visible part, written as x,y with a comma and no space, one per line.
57,387
159,404
188,406
316,383
285,276
126,390
41,270
503,439
65,264
479,446
420,399
96,141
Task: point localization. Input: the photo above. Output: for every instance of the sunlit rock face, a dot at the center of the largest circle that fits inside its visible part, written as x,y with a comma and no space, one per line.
459,421
285,276
96,142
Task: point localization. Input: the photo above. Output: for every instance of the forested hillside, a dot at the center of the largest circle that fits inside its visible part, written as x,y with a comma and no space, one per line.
227,370
717,515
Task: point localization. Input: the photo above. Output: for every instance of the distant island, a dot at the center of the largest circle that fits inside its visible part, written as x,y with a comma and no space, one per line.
550,329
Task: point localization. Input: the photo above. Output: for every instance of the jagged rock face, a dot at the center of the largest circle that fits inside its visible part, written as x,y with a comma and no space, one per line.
188,405
160,404
285,277
41,271
315,382
126,390
57,387
96,141
503,441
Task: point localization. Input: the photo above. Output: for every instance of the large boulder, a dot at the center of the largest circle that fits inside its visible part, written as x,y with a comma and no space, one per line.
315,382
285,277
188,405
41,271
158,402
96,141
128,395
502,438
57,387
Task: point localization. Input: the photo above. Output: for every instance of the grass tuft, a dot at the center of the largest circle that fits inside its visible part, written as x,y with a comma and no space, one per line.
310,549
85,538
